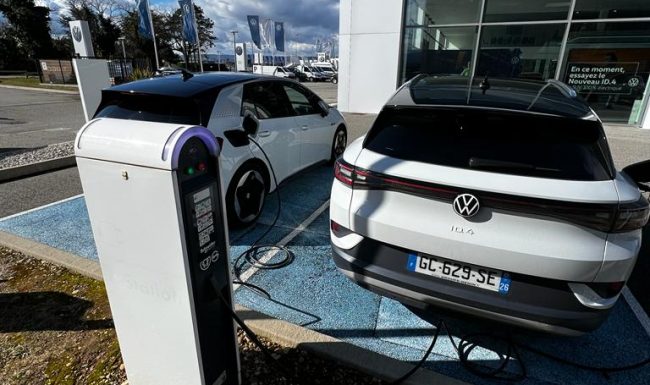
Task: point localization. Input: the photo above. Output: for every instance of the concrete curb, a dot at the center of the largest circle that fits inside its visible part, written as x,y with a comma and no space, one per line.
281,332
18,172
40,89
366,361
37,250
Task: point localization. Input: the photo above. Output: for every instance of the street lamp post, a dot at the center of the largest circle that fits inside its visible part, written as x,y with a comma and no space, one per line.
234,48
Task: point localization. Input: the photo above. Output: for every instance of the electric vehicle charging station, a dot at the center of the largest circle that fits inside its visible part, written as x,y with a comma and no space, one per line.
156,206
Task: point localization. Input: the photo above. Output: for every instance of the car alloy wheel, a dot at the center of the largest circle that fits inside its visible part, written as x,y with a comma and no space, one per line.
338,144
340,140
249,195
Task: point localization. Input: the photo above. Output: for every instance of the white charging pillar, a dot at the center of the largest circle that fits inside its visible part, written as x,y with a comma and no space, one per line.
155,202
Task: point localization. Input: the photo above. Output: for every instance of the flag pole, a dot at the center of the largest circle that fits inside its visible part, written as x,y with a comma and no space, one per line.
153,35
196,31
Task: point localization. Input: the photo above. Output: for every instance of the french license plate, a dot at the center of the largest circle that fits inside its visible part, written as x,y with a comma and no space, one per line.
481,277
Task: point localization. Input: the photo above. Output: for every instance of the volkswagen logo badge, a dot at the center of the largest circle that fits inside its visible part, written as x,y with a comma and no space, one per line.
466,205
76,33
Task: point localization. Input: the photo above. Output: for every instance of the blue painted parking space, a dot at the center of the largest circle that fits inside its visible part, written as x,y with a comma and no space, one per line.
312,293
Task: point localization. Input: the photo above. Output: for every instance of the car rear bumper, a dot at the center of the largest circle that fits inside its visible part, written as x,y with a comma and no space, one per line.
534,303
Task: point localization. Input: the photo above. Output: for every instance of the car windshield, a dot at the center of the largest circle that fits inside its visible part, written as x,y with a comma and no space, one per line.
504,142
306,69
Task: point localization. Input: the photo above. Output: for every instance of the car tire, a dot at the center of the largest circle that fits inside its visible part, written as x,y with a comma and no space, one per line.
335,80
246,194
339,143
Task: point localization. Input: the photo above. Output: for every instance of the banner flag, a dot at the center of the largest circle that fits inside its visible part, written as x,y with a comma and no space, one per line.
144,23
254,24
279,36
266,30
189,21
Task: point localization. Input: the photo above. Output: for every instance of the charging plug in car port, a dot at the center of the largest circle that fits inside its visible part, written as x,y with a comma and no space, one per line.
599,295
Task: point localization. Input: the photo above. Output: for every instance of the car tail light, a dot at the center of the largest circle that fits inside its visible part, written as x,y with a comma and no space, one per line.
631,216
606,289
344,172
339,230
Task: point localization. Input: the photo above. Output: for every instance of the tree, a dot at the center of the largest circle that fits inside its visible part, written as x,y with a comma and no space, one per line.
174,26
28,27
136,46
104,31
111,9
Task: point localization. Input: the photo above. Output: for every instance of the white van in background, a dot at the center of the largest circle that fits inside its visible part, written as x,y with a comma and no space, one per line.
273,70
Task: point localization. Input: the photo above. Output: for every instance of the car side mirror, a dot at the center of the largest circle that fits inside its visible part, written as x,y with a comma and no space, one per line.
250,124
640,173
324,108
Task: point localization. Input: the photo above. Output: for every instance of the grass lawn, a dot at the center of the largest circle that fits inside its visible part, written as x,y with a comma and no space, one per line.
33,82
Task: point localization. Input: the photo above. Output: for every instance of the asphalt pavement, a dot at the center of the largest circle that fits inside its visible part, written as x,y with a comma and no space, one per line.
30,119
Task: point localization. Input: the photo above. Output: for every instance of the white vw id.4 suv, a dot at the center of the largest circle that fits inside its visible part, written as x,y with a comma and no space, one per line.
496,198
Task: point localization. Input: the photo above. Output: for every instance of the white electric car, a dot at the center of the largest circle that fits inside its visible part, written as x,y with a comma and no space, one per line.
496,198
295,128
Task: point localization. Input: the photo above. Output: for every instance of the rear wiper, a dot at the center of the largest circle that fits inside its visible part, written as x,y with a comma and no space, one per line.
502,164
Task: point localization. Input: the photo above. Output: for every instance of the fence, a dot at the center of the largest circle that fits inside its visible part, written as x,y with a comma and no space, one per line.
61,71
57,71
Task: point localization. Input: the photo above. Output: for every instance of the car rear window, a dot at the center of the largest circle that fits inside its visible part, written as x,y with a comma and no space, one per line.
151,108
494,141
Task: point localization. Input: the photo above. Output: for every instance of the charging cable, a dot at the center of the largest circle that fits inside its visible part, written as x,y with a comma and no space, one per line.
469,342
252,254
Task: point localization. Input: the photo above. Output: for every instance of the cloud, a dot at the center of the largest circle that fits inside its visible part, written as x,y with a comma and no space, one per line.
305,21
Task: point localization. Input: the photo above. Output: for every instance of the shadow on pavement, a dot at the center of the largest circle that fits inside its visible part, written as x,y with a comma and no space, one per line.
47,310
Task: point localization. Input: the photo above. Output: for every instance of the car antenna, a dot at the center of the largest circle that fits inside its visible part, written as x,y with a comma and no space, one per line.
485,85
186,74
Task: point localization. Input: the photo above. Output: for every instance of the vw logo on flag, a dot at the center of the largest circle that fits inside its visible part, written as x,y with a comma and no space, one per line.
278,27
466,205
253,22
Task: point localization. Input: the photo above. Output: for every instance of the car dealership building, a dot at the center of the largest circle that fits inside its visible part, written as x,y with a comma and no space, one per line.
599,47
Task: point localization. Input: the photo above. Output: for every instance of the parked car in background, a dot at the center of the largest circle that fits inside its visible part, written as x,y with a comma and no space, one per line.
325,66
495,198
311,74
284,73
300,76
326,76
293,125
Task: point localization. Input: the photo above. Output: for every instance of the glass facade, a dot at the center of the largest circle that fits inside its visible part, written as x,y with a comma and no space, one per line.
599,47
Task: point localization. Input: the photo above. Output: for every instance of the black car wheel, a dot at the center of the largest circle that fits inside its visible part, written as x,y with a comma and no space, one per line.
245,196
339,143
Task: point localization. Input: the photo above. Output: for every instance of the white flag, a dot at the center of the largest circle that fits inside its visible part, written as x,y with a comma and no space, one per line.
266,31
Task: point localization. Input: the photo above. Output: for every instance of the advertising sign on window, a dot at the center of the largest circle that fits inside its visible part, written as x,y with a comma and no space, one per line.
604,77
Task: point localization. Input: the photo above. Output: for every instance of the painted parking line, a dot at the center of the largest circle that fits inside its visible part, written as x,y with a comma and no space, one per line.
245,276
641,315
40,208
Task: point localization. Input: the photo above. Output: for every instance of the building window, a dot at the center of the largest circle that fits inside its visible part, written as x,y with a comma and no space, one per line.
520,51
609,64
438,51
611,9
529,10
430,12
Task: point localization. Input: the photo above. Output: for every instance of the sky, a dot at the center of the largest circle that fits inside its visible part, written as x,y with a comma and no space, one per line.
305,21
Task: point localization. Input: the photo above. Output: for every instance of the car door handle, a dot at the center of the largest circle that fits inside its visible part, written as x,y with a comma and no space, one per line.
264,134
305,127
